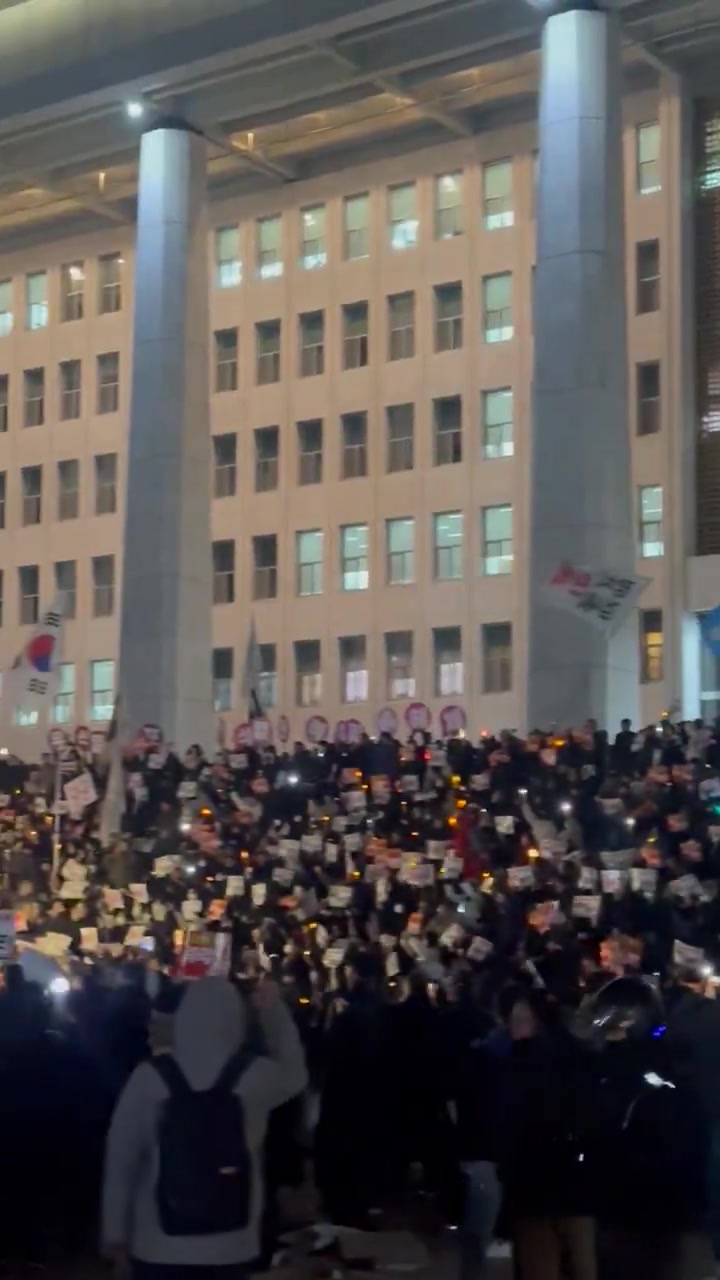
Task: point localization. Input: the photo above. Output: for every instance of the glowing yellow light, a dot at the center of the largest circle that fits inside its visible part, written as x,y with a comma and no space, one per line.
533,853
461,804
455,780
452,822
303,1000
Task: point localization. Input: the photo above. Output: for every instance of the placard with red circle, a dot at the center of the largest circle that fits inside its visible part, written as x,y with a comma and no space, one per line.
418,716
261,731
453,720
152,734
283,729
83,738
316,728
349,731
242,736
387,721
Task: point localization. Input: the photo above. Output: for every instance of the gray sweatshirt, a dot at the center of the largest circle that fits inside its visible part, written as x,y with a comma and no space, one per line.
210,1027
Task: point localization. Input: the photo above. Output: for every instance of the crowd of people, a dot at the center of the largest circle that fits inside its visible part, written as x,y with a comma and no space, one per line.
470,981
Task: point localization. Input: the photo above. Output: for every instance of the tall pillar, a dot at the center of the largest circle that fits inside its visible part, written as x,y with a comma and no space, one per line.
165,627
581,486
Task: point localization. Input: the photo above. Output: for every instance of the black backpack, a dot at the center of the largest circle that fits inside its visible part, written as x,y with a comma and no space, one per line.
205,1176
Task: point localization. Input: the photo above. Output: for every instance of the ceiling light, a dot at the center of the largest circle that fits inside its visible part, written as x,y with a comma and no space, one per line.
135,109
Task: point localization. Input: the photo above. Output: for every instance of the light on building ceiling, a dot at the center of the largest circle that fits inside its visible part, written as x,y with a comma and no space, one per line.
135,109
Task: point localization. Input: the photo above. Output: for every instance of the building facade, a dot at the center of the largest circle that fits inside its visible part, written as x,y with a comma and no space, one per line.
370,371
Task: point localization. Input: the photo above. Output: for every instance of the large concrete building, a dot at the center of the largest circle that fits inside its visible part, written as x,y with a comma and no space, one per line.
367,336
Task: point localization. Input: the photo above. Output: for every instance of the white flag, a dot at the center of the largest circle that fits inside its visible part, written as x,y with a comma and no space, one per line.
250,688
600,595
32,682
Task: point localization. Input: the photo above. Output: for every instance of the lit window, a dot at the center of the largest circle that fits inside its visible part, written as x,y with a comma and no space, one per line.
309,562
497,423
313,251
64,700
102,690
228,265
498,195
647,144
651,645
110,267
497,308
448,546
651,521
399,665
447,661
402,209
354,575
308,673
269,247
36,302
448,205
354,676
356,227
222,679
497,525
400,544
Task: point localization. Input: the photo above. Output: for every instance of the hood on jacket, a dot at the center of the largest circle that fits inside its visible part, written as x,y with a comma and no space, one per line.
210,1026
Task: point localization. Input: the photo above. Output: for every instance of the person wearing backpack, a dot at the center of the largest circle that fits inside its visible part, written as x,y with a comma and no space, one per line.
183,1191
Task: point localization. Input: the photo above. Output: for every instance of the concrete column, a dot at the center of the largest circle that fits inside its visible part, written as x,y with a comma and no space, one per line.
581,484
166,621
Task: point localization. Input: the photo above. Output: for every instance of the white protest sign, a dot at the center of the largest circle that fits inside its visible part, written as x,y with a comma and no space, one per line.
436,850
611,805
505,824
7,935
644,880
452,936
686,888
88,939
340,895
588,879
422,875
452,867
54,944
392,964
601,596
114,900
135,935
587,907
332,853
618,859
334,956
289,850
164,865
479,949
410,783
693,957
480,782
311,842
79,793
613,881
139,893
235,887
352,842
355,801
258,894
191,909
283,875
187,790
521,877
73,889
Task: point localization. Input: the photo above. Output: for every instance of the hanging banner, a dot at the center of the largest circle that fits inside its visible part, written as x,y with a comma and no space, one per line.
242,736
349,731
283,729
387,721
316,729
453,720
418,716
57,740
261,731
83,739
600,595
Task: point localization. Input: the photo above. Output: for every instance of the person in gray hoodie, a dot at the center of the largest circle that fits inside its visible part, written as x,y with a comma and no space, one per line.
210,1028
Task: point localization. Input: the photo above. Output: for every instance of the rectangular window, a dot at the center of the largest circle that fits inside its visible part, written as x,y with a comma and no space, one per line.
355,335
651,521
401,326
102,690
310,444
223,555
402,216
647,151
226,359
313,250
400,437
225,465
72,291
267,692
497,533
309,562
66,586
267,459
36,300
265,566
497,657
399,665
354,675
447,430
68,489
447,661
448,546
268,247
356,227
103,580
312,343
228,264
497,423
110,267
267,352
34,394
449,205
647,387
3,497
400,551
651,645
70,390
497,308
31,495
448,316
108,382
354,459
222,679
4,401
498,195
64,700
7,318
29,590
354,575
308,673
647,276
105,484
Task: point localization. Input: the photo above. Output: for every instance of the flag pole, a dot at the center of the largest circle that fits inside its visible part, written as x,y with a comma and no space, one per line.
56,835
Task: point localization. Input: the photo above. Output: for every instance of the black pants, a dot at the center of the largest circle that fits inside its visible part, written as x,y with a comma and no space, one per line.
168,1271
